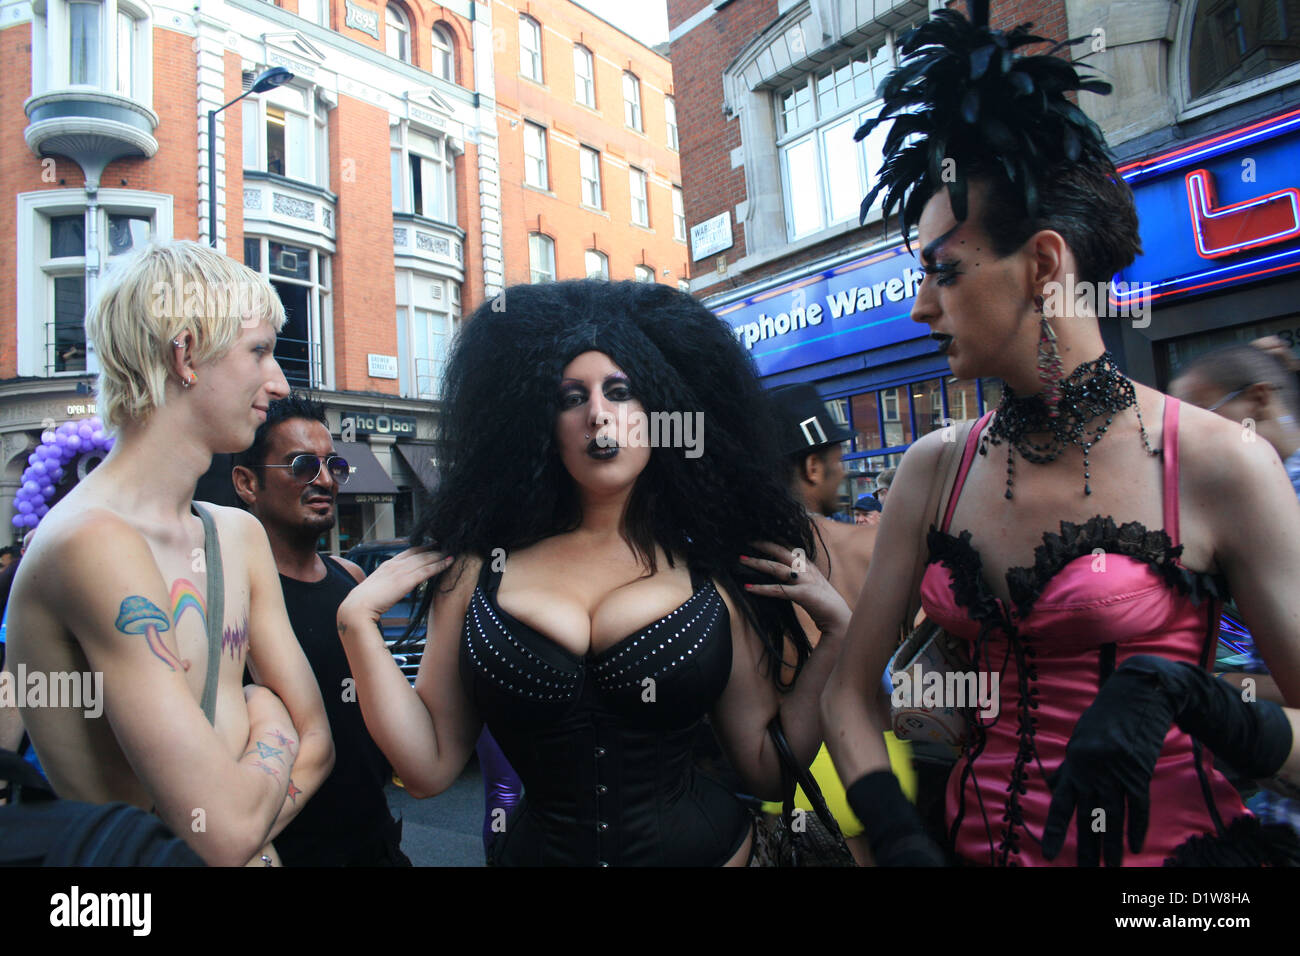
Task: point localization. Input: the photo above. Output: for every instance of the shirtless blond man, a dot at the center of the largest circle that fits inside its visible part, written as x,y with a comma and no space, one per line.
117,580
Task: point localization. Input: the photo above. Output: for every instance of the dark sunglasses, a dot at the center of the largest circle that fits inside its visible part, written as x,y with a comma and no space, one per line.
307,468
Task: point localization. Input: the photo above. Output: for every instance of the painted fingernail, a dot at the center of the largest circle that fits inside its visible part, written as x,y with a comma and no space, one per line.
749,587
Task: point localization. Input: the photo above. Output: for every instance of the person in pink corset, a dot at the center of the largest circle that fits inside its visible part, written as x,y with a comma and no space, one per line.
1095,525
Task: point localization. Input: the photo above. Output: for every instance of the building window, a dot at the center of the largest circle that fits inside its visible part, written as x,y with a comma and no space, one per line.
286,133
301,278
670,118
530,48
640,205
589,163
424,339
584,76
53,280
84,43
643,273
444,57
423,173
315,11
597,265
825,173
104,44
541,258
64,269
679,215
1238,40
632,101
397,33
535,156
684,285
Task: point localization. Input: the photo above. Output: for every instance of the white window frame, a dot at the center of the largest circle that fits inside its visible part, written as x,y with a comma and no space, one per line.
304,103
530,46
1181,82
320,304
643,273
444,52
319,10
36,271
866,154
397,33
404,147
584,85
541,247
670,122
596,264
589,163
632,101
536,166
679,214
640,203
51,50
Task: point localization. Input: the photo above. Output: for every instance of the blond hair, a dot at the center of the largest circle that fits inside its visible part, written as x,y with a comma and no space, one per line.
150,298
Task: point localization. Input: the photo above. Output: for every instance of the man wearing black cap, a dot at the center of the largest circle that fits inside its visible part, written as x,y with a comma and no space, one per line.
811,442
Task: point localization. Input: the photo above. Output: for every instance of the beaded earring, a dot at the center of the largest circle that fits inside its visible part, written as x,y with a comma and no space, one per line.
1050,372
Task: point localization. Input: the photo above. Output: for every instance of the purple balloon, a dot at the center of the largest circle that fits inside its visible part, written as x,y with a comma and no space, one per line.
38,467
47,490
48,437
25,507
42,511
56,474
30,487
84,430
73,442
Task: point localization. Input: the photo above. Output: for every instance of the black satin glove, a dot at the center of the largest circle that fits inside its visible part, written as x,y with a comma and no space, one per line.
1113,751
890,823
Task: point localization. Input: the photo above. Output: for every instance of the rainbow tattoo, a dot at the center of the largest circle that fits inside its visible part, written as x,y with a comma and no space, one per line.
184,596
236,639
282,740
264,751
139,615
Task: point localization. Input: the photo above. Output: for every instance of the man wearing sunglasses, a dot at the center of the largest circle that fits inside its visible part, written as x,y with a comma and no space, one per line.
289,480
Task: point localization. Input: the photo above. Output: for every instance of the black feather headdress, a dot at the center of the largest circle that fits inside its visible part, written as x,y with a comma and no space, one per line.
963,94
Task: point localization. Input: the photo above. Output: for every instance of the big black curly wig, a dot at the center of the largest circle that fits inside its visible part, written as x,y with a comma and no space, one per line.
501,480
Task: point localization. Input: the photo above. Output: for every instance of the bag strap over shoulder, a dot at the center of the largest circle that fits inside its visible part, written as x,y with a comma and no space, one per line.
944,477
215,610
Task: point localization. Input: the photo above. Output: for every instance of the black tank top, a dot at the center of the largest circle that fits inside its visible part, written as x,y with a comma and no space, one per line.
604,742
349,812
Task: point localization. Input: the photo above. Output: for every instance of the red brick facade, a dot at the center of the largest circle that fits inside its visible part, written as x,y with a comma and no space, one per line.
709,136
558,212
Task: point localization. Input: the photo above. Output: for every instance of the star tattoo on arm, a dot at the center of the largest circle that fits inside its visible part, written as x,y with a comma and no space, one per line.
294,790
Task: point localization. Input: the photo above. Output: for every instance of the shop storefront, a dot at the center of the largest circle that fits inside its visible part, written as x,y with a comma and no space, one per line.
1220,221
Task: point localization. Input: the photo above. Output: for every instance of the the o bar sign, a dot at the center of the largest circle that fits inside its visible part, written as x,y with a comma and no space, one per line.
359,18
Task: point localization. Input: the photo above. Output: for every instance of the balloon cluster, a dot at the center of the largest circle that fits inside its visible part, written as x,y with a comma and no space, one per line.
58,450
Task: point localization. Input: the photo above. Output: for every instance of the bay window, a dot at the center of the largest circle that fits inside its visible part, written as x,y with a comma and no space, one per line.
423,173
286,133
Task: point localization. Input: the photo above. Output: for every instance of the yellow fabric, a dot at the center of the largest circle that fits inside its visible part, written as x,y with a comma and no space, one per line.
823,771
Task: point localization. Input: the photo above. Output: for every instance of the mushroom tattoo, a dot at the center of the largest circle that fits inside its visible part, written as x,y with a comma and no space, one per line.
139,615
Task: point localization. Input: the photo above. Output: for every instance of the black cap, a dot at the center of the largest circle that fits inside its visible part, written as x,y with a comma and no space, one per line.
804,421
867,503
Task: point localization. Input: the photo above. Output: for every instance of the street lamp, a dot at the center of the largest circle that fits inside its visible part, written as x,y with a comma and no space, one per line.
268,80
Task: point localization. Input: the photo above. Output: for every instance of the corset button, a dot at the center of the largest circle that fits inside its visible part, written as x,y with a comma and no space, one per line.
602,789
600,751
602,827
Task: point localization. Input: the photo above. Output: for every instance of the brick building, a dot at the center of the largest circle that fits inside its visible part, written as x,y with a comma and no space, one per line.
384,191
771,92
590,173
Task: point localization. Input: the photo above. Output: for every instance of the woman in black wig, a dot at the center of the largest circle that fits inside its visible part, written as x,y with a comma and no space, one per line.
1094,524
606,595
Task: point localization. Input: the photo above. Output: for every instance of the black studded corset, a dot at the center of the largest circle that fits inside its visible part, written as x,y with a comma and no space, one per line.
603,742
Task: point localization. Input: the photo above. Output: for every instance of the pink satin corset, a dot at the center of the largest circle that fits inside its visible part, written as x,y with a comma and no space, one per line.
1073,617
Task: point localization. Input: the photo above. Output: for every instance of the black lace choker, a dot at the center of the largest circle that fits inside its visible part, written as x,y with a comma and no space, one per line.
1093,389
